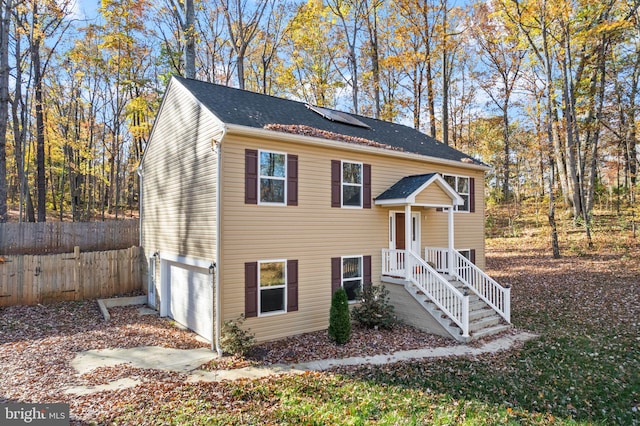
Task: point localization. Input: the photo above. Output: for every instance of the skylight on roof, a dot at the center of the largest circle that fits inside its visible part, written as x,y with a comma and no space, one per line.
337,116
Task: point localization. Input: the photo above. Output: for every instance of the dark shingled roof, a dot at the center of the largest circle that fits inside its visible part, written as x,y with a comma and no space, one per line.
405,187
240,107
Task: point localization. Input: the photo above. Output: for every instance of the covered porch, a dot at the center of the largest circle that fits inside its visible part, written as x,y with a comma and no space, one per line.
452,284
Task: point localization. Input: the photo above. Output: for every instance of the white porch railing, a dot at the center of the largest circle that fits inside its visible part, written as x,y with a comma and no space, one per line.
441,292
496,296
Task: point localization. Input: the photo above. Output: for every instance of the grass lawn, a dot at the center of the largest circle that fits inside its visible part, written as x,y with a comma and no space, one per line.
583,369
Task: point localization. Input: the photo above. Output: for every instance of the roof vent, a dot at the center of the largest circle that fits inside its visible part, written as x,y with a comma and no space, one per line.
337,116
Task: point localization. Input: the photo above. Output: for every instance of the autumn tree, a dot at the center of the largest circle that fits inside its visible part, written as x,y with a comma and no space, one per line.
351,15
5,15
502,57
310,72
243,21
418,30
265,56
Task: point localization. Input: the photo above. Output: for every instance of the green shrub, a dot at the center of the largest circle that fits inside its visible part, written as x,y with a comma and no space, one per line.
339,318
235,340
375,311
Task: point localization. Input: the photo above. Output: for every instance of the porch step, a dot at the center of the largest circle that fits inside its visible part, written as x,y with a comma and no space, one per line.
491,331
483,320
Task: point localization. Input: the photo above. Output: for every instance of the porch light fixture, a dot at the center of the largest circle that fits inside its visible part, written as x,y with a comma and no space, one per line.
212,268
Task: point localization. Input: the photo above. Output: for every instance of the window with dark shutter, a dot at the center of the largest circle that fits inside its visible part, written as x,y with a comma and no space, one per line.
251,176
251,289
336,183
336,273
472,195
292,285
366,271
292,180
366,186
464,186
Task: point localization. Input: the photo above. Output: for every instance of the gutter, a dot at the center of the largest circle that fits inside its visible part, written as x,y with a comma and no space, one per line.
328,143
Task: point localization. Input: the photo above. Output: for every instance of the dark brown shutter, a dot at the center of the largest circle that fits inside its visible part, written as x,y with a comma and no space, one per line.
336,274
366,271
292,285
292,180
472,256
251,289
335,183
251,176
472,195
366,186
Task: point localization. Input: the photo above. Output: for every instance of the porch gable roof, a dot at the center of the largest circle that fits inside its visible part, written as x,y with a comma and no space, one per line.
408,188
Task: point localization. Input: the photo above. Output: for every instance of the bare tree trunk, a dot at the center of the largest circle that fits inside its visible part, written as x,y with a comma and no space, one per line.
190,40
19,118
445,75
41,179
431,104
552,142
4,105
242,29
417,98
372,26
555,246
507,150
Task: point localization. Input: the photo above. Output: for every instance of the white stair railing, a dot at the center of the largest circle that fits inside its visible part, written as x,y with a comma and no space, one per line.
492,293
393,263
438,257
496,296
451,301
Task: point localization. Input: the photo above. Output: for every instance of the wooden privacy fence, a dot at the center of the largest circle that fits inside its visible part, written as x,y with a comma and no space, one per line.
62,237
28,280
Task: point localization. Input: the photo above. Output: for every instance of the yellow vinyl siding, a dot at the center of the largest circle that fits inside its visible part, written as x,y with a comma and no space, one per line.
313,232
433,194
179,180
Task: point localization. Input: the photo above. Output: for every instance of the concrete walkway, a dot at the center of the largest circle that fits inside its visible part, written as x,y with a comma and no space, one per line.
188,361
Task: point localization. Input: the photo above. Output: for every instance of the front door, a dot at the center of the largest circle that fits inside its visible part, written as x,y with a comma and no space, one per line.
397,231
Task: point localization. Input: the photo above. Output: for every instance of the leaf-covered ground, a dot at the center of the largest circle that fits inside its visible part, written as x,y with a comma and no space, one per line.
583,369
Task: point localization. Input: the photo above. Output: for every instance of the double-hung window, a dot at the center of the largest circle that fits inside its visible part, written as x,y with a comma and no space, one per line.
352,276
351,184
273,177
462,185
272,286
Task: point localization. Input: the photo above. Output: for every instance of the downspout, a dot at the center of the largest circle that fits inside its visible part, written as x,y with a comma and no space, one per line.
217,327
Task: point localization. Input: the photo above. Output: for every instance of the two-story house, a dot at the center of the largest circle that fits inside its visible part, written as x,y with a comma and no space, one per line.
261,206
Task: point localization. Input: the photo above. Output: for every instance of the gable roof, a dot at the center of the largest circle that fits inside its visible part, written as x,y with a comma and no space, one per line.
244,108
407,189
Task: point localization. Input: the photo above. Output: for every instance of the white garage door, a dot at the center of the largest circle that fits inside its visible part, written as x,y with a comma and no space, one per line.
191,297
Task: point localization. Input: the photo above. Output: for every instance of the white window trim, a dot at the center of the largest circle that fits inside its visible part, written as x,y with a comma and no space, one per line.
284,179
284,311
455,188
468,252
360,185
342,280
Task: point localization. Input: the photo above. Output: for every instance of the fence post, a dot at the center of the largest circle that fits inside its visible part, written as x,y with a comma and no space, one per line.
78,283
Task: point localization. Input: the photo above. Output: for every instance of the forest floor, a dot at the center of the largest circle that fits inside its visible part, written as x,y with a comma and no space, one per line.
583,369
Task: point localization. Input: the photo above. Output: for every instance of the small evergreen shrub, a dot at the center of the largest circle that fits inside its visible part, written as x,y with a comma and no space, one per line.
339,318
375,309
235,340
